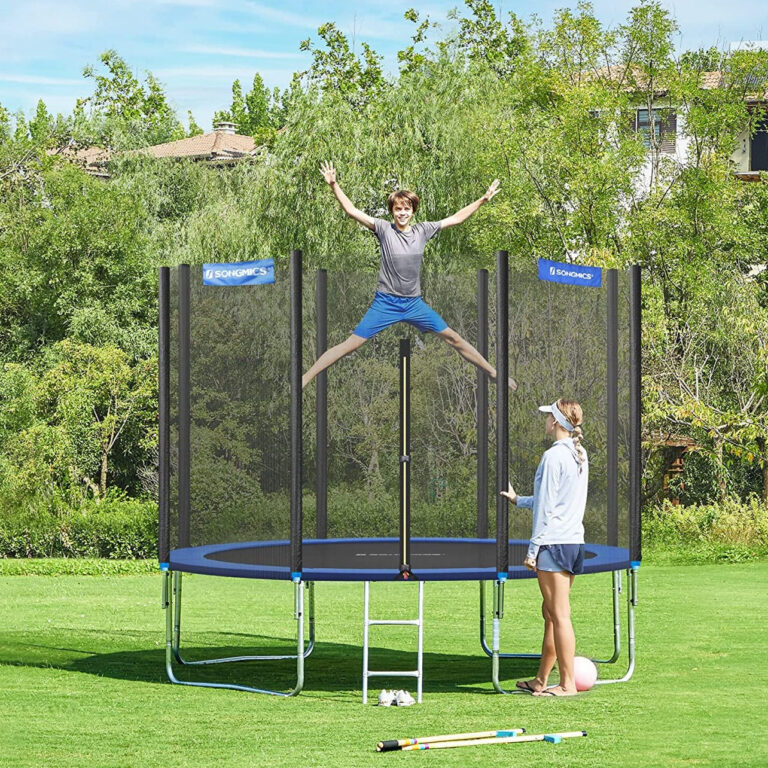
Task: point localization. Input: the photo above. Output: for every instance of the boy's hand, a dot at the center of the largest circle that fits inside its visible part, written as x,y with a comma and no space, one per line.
492,190
329,172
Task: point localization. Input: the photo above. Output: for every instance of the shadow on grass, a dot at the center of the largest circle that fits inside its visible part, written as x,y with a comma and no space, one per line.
331,667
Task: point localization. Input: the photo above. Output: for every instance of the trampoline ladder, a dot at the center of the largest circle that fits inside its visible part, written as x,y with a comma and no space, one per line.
418,673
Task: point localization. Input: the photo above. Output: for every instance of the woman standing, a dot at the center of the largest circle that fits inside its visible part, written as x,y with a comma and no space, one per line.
556,550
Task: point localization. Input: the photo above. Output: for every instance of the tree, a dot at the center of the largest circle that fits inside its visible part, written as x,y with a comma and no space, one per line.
72,413
194,128
74,252
337,69
131,114
42,126
5,124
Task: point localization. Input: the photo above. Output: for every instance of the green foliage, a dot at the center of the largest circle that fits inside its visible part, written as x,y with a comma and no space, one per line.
258,113
726,531
194,128
126,113
118,528
68,418
74,252
5,124
337,70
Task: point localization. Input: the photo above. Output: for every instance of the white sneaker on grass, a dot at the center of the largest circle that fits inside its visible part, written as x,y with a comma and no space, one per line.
404,699
386,698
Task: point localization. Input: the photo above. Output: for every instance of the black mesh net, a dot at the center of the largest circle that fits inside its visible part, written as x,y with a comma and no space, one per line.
239,407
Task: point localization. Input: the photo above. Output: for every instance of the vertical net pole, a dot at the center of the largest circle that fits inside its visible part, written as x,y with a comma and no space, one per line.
502,414
482,406
612,407
321,417
405,458
184,404
635,372
164,415
296,416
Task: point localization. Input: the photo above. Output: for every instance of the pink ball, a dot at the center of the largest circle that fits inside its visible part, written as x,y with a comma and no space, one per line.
584,673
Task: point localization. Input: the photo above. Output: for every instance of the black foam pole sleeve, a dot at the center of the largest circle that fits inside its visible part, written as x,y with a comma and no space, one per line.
184,405
296,414
635,414
405,457
612,409
482,406
164,414
321,405
502,415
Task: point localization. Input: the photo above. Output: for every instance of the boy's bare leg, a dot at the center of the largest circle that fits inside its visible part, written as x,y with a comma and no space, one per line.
330,356
470,354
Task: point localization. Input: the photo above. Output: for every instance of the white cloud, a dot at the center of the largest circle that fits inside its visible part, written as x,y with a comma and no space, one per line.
38,80
282,17
222,73
243,52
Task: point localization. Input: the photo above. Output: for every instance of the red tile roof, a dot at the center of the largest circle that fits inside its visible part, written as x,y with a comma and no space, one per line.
214,145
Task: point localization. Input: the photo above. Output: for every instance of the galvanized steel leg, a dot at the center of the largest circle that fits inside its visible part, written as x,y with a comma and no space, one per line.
171,602
631,603
616,591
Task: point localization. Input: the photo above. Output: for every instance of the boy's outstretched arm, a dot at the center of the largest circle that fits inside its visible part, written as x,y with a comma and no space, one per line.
468,210
329,174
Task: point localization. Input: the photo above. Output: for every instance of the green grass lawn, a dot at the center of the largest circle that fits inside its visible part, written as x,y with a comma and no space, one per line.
82,674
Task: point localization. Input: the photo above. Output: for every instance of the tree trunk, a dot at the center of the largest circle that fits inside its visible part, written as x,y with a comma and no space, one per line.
103,474
761,444
720,468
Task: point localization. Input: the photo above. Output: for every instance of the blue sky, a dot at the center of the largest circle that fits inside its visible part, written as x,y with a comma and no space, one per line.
198,47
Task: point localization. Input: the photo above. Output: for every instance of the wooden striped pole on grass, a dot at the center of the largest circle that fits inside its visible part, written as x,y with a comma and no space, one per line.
469,740
387,746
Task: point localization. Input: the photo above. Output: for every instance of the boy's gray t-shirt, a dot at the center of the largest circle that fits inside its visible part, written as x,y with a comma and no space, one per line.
401,255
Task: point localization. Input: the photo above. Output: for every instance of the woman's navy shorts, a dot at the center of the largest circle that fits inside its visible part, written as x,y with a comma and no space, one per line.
561,557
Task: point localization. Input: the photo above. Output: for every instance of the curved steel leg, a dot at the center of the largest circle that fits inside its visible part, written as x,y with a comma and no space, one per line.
172,606
202,662
616,590
631,603
498,614
484,642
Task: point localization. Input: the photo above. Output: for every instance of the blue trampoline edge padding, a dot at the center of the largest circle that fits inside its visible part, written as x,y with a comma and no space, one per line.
221,560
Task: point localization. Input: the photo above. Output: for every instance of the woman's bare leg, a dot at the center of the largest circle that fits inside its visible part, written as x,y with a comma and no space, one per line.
555,589
548,657
470,354
330,356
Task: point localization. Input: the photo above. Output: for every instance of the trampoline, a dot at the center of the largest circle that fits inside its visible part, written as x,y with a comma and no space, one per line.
432,559
251,486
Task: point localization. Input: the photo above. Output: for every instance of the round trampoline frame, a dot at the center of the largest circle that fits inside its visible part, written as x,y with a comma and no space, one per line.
366,560
377,559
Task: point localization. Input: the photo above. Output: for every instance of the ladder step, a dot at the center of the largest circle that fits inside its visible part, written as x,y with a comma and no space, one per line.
382,673
394,622
417,673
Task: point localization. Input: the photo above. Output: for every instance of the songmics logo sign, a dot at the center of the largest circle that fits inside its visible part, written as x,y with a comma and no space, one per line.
571,274
240,273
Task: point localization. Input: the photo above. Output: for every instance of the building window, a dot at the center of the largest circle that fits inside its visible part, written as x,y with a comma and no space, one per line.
758,155
663,122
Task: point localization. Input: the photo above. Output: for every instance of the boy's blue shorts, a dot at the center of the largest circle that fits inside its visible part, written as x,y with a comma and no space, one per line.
388,309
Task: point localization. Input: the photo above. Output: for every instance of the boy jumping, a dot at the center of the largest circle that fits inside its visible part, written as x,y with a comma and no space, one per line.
398,293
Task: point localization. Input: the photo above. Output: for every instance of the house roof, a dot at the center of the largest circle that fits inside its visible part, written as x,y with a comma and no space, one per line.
212,146
709,80
93,159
